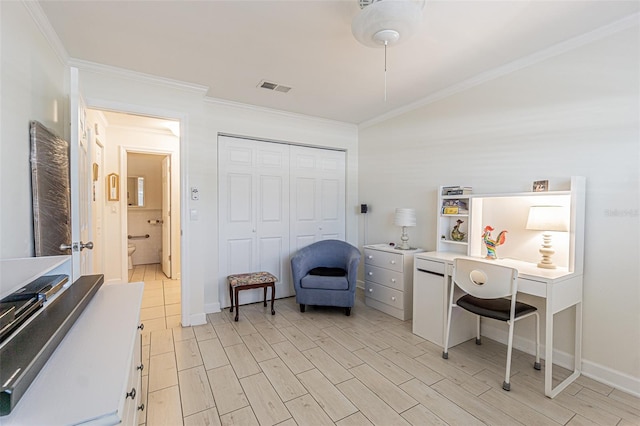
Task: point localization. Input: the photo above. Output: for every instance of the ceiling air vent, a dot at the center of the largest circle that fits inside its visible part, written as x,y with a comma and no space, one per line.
273,86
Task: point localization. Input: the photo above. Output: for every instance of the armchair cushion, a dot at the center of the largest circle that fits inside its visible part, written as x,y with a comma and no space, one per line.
325,282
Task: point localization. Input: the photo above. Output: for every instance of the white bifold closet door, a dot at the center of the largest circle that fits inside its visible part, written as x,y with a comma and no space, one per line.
274,199
317,178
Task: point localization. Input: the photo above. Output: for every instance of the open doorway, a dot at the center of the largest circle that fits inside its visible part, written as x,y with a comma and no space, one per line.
141,226
149,207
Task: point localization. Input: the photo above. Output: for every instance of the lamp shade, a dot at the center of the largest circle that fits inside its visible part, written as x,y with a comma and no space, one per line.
405,217
392,21
548,218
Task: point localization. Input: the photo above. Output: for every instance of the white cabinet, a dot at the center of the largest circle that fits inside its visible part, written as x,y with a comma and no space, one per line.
94,375
431,286
388,279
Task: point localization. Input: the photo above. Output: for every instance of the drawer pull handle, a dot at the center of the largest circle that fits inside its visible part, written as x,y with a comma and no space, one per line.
140,367
370,290
132,394
141,407
369,257
393,262
393,298
141,327
393,280
370,274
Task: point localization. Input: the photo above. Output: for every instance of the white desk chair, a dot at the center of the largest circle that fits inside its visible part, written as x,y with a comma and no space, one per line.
491,292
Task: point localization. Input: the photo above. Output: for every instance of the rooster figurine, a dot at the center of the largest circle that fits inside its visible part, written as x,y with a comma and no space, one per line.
491,243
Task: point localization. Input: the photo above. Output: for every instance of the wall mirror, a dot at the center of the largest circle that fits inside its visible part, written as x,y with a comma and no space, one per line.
135,191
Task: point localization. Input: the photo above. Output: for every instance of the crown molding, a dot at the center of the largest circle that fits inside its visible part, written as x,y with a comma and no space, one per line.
282,113
43,24
527,61
138,76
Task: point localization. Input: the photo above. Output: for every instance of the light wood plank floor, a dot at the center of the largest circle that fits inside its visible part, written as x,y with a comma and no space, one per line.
322,367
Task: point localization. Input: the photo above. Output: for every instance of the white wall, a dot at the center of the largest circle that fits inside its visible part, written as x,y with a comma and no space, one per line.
32,81
573,114
118,140
201,122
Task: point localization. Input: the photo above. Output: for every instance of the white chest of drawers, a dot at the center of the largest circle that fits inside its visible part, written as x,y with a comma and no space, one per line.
94,376
388,279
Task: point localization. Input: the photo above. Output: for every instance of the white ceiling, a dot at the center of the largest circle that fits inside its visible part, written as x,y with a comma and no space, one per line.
230,46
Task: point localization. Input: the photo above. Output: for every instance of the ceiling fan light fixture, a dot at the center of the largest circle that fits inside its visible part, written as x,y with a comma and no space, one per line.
387,37
372,25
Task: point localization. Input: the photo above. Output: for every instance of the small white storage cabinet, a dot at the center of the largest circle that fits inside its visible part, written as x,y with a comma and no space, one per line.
431,287
388,279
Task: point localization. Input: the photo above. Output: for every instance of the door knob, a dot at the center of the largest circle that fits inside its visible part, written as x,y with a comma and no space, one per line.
72,247
88,245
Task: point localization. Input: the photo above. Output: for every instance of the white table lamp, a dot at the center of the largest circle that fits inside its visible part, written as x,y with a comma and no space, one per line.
404,218
547,219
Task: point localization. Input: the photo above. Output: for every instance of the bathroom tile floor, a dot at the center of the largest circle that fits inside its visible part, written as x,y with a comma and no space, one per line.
322,367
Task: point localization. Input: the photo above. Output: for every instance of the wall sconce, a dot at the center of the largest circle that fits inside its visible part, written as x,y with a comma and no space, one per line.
547,219
404,218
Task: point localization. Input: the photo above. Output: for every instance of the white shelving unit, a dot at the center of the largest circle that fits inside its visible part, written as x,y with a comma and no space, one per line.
447,221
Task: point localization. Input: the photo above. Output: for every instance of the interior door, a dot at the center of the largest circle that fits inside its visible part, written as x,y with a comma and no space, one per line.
253,213
317,195
79,158
97,201
166,216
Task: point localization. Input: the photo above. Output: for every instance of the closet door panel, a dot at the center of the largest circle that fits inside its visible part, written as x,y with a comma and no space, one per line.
318,195
254,206
271,199
240,255
330,195
239,199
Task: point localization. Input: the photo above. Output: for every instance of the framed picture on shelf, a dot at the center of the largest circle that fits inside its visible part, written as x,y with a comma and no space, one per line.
540,185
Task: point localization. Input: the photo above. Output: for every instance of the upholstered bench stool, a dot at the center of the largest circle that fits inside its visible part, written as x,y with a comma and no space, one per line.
248,281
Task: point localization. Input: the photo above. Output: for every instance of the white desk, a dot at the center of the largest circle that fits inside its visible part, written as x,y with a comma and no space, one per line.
559,288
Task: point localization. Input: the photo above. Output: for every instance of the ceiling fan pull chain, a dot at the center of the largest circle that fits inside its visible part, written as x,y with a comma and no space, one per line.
385,70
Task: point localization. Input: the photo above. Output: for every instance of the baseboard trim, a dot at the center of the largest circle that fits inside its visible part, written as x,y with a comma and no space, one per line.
601,373
613,378
198,319
212,308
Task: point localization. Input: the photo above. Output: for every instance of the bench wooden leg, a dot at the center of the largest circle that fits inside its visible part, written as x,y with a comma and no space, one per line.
265,296
231,297
237,305
273,296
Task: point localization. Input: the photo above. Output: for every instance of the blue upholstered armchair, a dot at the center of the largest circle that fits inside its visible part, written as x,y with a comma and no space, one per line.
325,273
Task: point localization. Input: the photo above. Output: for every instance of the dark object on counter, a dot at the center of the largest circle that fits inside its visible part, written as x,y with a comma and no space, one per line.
27,350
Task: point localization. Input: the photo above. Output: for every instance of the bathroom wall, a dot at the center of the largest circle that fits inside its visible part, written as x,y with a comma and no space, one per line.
148,250
130,140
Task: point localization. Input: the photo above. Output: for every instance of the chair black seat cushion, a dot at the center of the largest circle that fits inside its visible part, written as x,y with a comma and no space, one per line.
499,309
324,283
328,272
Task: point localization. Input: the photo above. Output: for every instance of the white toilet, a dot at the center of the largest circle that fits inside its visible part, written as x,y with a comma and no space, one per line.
130,249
